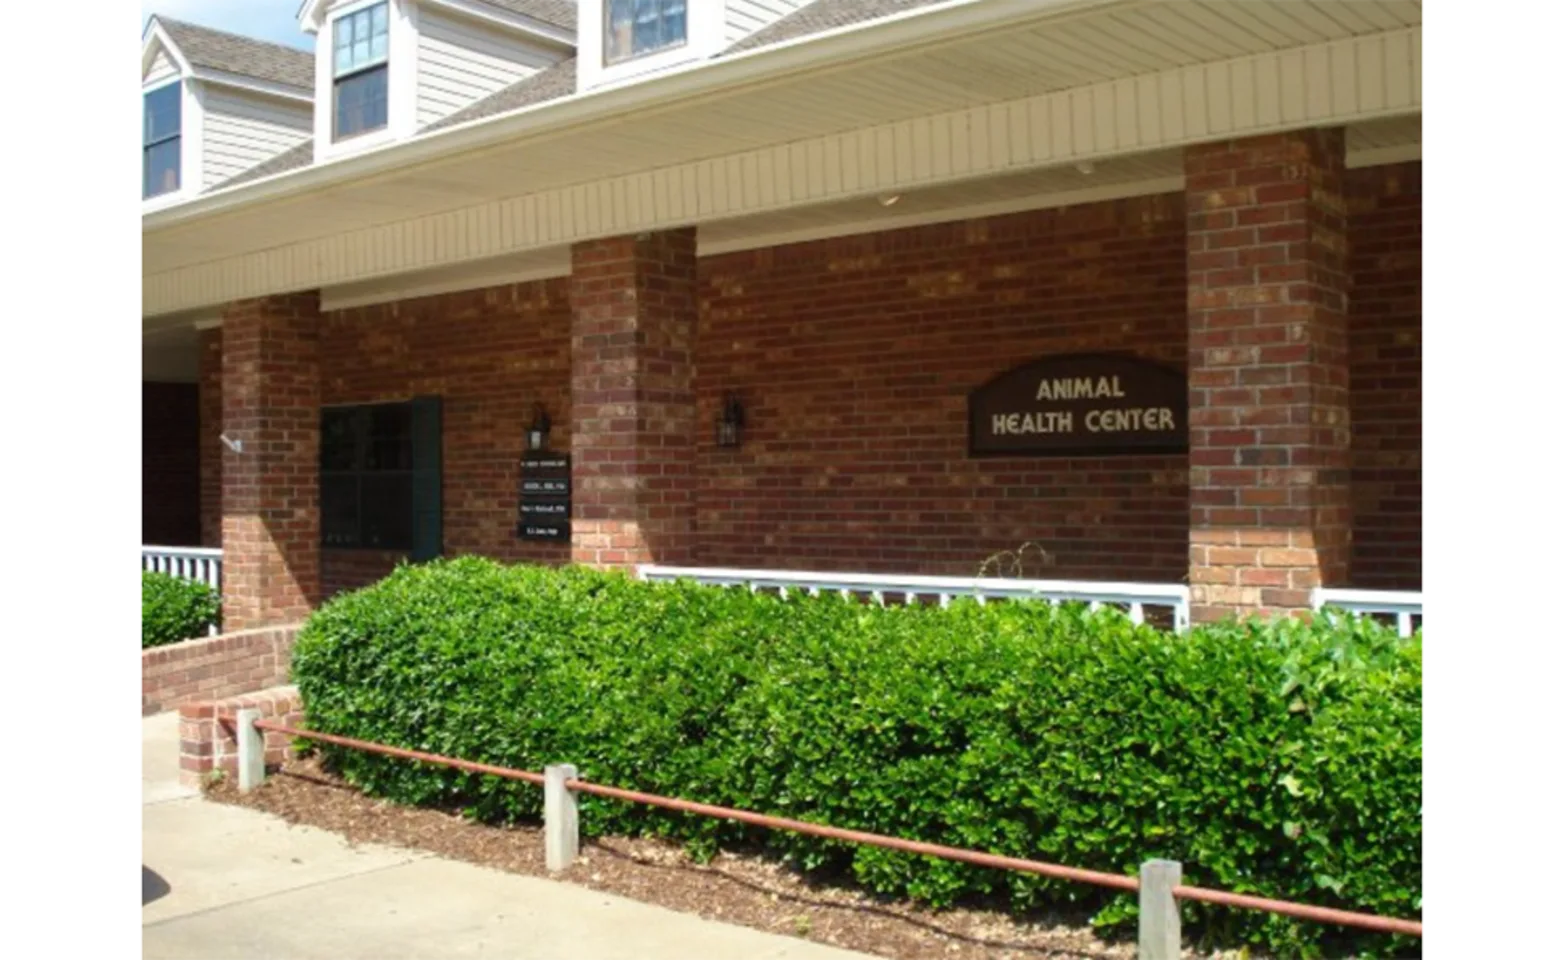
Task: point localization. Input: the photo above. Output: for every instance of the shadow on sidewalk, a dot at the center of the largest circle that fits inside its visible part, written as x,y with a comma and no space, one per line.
153,887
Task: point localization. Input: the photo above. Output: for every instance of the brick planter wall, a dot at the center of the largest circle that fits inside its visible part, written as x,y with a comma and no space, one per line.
207,731
221,666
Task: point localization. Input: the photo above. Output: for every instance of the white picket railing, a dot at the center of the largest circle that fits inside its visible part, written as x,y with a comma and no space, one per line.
190,563
1405,605
1134,598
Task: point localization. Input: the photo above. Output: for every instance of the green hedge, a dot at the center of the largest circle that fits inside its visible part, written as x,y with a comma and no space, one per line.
1283,760
173,609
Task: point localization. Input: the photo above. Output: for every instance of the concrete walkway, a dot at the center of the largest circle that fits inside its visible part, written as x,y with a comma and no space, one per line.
223,882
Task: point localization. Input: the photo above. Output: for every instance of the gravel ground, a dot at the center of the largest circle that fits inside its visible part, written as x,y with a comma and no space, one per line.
749,890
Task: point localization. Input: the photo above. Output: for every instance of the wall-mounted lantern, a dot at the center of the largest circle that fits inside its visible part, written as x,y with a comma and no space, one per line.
730,423
537,434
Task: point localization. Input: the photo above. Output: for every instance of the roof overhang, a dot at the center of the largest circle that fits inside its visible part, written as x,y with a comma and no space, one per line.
962,90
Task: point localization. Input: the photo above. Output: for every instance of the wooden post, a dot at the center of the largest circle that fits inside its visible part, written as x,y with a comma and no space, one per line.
561,824
1159,925
252,750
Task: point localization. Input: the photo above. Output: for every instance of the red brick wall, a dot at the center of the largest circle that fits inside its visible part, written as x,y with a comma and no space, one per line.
271,487
1385,205
490,354
170,468
634,305
854,357
221,666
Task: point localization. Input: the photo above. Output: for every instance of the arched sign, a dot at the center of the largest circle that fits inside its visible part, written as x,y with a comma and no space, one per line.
1097,404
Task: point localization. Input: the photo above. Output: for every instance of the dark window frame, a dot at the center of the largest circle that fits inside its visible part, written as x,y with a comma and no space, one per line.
362,472
375,66
150,143
660,15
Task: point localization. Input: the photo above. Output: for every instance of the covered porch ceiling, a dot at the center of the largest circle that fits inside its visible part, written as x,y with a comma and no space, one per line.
954,106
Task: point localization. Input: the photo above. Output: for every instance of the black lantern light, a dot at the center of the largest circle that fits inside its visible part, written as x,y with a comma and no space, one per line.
537,434
730,422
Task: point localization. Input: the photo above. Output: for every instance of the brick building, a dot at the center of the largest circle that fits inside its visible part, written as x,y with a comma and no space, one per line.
830,227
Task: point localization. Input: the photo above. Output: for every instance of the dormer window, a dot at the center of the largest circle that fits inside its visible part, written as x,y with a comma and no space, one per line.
635,28
359,71
160,141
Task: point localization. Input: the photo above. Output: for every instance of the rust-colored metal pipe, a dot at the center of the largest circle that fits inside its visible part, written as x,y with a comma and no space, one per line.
367,747
1116,881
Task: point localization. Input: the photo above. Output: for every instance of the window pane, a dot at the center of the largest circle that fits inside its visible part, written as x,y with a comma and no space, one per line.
160,168
360,103
619,28
387,510
391,438
339,510
160,117
338,439
360,39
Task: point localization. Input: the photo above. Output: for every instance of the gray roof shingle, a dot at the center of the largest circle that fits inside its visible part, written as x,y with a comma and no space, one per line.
560,13
214,49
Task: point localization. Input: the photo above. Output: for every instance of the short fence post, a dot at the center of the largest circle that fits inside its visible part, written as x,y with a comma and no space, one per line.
252,750
1159,925
561,823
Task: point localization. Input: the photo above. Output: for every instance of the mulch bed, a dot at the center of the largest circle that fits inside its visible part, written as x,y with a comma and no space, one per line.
734,888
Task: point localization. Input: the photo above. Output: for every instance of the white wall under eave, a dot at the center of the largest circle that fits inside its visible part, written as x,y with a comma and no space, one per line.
461,60
161,70
242,129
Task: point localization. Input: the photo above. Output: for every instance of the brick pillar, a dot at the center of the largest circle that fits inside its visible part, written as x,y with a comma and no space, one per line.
633,400
271,507
210,449
1270,509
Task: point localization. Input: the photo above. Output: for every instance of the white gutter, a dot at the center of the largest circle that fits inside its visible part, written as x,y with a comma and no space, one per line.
838,48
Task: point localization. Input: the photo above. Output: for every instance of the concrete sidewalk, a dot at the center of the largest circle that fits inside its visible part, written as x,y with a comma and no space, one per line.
223,882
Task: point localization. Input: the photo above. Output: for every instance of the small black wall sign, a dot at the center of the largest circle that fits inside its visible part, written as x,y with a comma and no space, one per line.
544,509
1099,404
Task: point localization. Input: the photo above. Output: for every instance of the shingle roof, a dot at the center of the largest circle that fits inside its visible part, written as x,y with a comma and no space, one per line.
824,15
561,13
550,84
291,159
205,47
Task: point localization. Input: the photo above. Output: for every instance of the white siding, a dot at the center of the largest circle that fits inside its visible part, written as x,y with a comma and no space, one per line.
241,130
461,61
161,70
744,17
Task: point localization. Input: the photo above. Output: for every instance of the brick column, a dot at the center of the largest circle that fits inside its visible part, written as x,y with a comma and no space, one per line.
633,400
209,390
1270,510
271,506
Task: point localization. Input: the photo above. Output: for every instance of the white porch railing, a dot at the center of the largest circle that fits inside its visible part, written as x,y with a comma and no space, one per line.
1405,605
1134,598
190,563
